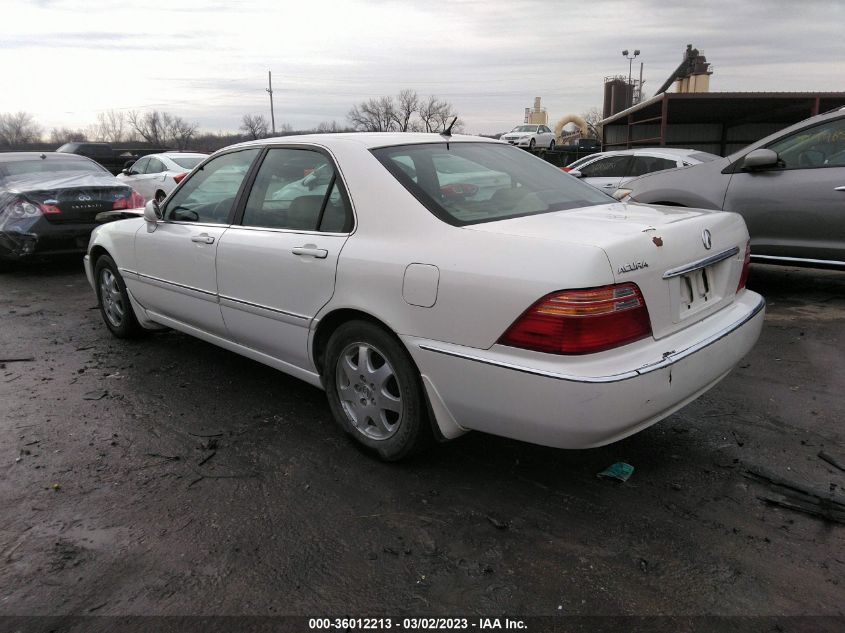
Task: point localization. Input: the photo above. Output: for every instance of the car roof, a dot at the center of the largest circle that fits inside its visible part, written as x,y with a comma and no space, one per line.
653,151
368,140
178,155
9,157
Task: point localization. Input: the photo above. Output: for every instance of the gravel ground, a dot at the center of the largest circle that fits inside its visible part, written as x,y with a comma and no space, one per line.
170,477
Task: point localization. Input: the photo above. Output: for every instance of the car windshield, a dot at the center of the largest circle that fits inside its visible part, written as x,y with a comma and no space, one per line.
469,183
187,162
525,128
12,169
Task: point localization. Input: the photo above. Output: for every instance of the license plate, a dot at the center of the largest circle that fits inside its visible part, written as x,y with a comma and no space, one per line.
696,290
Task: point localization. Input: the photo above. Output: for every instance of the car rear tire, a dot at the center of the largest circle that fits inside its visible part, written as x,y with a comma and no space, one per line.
113,299
374,391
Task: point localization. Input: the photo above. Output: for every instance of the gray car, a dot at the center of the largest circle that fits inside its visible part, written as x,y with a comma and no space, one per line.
789,187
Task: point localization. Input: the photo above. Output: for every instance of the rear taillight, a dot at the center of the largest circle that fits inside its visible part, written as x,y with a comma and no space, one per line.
21,208
582,321
567,169
49,209
179,177
746,264
133,200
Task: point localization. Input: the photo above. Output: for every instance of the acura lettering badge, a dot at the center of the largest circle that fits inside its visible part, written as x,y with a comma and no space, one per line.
706,239
84,197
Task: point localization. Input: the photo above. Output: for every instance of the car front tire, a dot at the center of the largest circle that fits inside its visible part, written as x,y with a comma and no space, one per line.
113,299
374,391
531,144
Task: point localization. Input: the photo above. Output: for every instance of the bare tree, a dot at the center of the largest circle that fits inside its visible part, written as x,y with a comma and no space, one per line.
374,115
148,125
255,125
592,117
162,128
18,129
60,136
111,125
179,132
436,115
407,104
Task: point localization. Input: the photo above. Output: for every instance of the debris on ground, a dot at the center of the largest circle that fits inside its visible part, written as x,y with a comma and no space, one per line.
619,470
833,460
95,395
499,525
800,497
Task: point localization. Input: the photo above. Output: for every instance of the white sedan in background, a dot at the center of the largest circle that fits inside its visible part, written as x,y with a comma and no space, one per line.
610,170
530,136
534,309
156,175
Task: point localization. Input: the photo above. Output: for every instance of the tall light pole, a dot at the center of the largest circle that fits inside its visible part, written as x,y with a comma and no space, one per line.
270,90
630,68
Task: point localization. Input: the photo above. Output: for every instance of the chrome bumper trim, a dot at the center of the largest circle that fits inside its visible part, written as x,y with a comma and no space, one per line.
802,260
701,263
670,358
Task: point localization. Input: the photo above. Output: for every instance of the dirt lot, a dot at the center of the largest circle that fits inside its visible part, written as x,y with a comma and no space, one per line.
171,477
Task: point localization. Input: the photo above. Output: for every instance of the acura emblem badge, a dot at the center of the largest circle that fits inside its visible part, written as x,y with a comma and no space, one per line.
706,239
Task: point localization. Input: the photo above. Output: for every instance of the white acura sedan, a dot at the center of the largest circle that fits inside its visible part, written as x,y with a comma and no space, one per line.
427,305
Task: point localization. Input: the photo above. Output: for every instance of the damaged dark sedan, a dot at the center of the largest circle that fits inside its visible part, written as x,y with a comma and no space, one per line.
49,203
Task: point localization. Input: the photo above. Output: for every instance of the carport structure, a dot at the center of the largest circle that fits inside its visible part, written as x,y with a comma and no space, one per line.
716,122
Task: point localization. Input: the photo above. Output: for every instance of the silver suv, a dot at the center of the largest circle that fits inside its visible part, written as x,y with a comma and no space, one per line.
789,187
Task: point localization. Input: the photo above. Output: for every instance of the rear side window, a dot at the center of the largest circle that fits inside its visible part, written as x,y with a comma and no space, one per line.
610,167
468,183
642,165
297,189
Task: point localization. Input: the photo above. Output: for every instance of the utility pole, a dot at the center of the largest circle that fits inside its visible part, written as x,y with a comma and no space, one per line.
270,90
630,64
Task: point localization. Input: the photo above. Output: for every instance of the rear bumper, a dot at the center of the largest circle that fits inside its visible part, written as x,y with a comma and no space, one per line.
42,239
580,402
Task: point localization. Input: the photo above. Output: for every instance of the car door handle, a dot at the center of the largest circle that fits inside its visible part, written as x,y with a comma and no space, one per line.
202,238
840,188
310,250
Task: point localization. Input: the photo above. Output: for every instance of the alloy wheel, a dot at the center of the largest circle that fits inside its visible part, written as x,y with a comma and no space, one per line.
369,391
111,298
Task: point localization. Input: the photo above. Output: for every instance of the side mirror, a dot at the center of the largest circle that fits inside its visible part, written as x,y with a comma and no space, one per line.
152,212
574,173
760,159
126,171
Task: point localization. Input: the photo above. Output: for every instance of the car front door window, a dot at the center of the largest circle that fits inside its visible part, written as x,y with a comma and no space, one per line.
209,195
819,146
139,167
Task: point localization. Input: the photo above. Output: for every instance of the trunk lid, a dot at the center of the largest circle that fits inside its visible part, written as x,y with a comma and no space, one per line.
661,249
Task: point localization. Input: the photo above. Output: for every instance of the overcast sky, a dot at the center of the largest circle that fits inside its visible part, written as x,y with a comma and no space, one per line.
66,60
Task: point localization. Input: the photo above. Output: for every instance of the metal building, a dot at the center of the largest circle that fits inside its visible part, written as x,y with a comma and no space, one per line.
716,122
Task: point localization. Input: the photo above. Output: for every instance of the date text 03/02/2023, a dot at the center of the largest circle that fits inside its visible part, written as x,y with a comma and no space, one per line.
415,624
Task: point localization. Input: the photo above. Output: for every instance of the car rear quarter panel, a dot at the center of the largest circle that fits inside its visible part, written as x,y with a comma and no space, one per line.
485,281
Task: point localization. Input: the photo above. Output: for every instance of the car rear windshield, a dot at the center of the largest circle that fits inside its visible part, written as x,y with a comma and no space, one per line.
12,169
188,162
469,183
